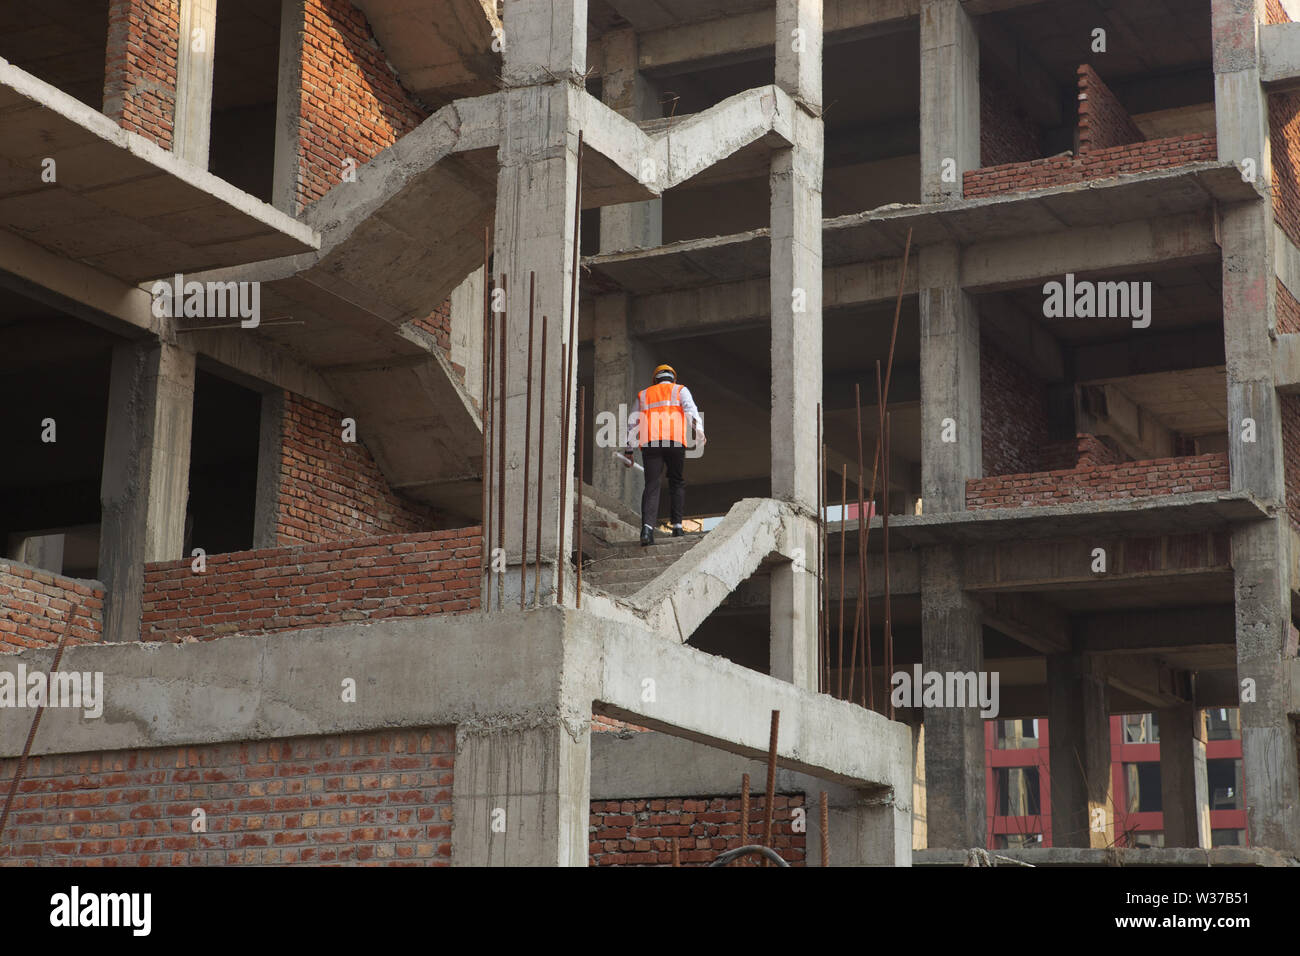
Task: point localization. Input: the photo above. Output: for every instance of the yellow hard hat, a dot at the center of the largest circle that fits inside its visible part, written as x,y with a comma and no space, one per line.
665,368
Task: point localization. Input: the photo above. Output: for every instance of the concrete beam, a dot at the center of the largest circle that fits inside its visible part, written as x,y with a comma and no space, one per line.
1153,632
1147,678
1138,433
1279,56
1036,623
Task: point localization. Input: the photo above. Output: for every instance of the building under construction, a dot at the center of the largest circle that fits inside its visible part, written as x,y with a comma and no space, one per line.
320,321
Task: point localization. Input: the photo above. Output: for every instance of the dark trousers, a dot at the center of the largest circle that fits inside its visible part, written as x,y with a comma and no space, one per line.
655,460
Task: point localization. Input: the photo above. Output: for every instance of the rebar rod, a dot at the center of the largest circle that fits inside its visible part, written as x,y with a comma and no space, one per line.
570,357
825,827
541,472
889,627
744,809
501,455
528,442
857,615
582,414
485,417
839,649
821,565
771,779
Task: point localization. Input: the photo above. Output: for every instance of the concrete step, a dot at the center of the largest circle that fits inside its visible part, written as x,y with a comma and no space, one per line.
625,568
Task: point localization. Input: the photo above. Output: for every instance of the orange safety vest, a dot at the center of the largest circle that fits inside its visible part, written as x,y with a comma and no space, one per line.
662,416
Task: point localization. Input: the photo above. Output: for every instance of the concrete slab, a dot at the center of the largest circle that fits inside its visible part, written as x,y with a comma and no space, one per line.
120,203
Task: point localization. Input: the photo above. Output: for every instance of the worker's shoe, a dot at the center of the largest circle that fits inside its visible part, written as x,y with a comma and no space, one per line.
677,531
647,535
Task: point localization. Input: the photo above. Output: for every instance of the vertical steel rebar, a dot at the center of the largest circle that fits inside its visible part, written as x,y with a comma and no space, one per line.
744,809
528,442
771,781
821,565
889,628
677,857
582,414
485,418
857,615
839,650
825,826
541,465
501,455
570,357
826,584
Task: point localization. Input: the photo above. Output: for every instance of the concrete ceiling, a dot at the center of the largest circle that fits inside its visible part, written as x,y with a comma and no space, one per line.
119,203
441,49
61,41
657,14
1193,401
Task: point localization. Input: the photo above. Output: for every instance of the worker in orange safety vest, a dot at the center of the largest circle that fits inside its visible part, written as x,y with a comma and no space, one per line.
658,426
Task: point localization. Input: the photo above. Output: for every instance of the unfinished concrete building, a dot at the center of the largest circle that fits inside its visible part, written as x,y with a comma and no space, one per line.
243,311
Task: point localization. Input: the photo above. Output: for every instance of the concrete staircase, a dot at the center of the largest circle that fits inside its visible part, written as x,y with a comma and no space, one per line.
624,568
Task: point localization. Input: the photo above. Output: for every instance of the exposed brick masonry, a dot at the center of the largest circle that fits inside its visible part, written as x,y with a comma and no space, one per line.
1137,479
1288,310
254,592
1291,455
1284,130
1082,451
372,798
35,604
1103,121
353,105
1007,134
640,832
1109,145
140,66
1013,410
331,490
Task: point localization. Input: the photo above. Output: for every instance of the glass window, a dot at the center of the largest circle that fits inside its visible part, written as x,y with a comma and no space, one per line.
1017,792
1143,785
1222,723
1224,778
1017,734
1141,729
1227,838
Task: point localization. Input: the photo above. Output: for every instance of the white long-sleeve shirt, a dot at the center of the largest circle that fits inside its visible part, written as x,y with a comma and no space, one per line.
689,409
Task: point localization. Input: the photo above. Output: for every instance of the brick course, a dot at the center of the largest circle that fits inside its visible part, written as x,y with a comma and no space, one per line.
1013,412
1103,121
640,832
1284,130
140,67
331,490
353,105
35,604
1290,407
1288,310
1007,134
1137,479
283,589
379,798
1082,451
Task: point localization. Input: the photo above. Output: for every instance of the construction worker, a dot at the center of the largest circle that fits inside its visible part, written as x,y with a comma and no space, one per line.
658,426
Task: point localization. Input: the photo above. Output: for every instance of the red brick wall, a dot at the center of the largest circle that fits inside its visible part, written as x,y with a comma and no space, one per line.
1291,455
1013,410
1103,121
1061,170
438,324
1007,134
1274,12
1284,131
640,832
284,589
1138,479
353,105
331,490
140,66
1288,310
1082,451
372,798
35,604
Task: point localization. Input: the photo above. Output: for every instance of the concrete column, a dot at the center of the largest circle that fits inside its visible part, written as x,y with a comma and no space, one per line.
873,830
522,794
952,639
270,468
622,369
1083,812
951,426
637,225
145,484
1184,786
950,99
793,614
288,107
195,57
1261,555
467,330
796,291
536,196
